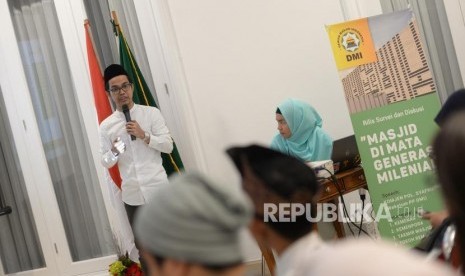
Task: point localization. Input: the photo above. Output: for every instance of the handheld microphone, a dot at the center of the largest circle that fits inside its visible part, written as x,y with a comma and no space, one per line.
5,210
127,115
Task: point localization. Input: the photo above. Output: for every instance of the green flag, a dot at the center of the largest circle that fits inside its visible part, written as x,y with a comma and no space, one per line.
171,162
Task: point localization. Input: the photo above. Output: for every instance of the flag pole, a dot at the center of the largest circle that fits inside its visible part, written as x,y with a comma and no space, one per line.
87,26
116,21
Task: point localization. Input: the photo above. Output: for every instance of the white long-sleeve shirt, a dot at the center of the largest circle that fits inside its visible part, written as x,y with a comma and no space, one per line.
140,165
302,250
364,257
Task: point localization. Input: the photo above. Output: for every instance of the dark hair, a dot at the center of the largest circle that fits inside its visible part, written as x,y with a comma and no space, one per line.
284,175
449,158
453,104
159,259
278,111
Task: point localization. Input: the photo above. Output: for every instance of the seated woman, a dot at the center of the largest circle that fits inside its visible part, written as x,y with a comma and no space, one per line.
301,136
300,133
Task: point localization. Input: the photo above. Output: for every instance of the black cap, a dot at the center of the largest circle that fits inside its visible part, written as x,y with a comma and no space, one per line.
455,102
277,178
112,71
280,172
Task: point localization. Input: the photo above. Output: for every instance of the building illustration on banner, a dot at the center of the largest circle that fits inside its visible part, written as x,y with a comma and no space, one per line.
401,73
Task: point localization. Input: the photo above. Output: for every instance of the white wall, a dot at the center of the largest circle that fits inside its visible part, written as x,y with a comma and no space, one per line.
242,58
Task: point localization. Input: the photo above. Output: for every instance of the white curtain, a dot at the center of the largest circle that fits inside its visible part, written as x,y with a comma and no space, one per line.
62,131
434,27
19,243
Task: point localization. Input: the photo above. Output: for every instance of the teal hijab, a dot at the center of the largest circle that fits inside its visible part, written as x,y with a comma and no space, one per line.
308,141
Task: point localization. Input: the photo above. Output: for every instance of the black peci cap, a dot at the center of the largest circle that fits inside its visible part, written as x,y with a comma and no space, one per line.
112,71
281,173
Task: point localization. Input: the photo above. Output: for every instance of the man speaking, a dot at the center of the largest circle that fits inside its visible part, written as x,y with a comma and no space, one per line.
133,137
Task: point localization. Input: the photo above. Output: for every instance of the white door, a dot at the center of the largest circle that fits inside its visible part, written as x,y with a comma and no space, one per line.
58,224
20,248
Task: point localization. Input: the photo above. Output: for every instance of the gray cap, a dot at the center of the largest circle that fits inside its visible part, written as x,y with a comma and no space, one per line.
195,220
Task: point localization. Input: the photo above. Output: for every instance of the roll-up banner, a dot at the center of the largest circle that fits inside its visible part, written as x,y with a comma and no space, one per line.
391,96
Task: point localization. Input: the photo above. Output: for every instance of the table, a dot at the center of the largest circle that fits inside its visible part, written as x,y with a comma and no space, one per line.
347,181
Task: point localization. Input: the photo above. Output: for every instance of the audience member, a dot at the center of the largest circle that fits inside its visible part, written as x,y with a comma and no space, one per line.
440,220
191,227
453,104
273,178
449,157
364,257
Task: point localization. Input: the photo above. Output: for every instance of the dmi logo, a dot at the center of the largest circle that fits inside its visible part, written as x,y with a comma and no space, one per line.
350,42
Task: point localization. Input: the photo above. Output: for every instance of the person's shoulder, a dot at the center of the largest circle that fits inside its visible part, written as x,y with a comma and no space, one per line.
107,121
147,108
385,257
323,135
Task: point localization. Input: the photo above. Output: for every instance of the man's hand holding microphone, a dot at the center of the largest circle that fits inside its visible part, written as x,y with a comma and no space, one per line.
134,129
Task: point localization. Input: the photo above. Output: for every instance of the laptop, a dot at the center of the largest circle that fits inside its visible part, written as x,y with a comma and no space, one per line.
345,154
